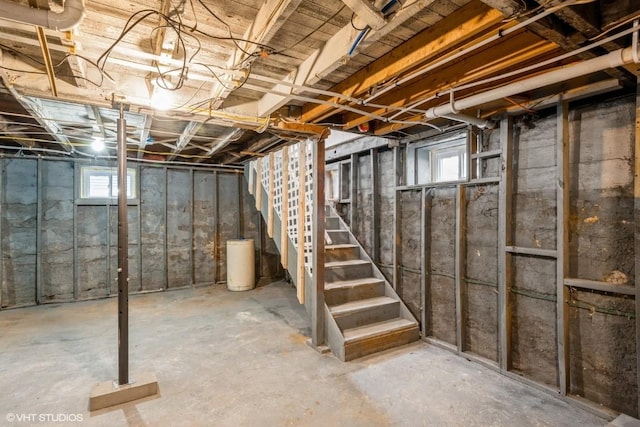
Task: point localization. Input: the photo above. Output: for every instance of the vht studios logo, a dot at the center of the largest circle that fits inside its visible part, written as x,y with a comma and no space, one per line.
50,418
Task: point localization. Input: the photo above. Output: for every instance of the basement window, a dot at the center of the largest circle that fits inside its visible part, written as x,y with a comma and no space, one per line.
338,181
101,182
436,161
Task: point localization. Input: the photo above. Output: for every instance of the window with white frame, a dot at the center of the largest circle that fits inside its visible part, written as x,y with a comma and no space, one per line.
338,181
440,160
101,182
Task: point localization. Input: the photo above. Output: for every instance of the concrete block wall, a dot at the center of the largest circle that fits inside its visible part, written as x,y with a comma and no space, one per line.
602,333
56,247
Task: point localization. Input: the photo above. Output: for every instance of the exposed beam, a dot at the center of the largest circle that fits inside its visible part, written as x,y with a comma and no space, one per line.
549,32
38,113
334,53
144,135
227,139
271,16
76,64
190,130
462,25
15,133
367,12
258,146
507,55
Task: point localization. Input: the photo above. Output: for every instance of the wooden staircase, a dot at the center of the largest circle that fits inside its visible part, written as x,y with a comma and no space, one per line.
360,311
364,315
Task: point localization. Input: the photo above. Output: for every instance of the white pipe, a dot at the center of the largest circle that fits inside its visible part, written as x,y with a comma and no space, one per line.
611,60
67,19
464,118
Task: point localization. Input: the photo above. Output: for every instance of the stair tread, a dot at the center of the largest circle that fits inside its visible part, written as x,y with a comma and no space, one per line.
341,246
352,306
350,283
374,329
345,263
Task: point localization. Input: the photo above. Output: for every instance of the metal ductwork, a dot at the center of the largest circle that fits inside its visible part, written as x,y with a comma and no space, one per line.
71,15
613,59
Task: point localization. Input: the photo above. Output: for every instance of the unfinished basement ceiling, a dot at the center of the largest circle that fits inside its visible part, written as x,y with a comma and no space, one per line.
245,76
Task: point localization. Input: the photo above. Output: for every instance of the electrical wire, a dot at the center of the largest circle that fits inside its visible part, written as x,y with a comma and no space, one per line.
315,30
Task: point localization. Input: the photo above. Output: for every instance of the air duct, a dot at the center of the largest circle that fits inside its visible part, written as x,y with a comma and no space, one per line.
70,16
613,59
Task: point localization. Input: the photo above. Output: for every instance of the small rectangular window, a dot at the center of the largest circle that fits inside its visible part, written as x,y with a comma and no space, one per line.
101,182
443,160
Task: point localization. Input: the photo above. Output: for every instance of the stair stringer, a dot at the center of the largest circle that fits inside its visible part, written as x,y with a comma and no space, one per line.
335,337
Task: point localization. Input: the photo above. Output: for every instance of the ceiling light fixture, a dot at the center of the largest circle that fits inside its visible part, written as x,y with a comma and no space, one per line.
98,143
161,99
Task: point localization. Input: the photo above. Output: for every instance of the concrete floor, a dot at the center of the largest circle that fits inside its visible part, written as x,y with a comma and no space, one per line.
240,359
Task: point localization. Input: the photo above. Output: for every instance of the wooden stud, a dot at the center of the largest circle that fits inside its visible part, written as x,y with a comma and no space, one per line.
302,194
259,184
353,192
76,196
318,333
216,239
599,286
139,197
2,207
375,220
284,233
460,261
165,237
397,255
545,253
192,248
251,178
425,259
562,238
39,232
108,245
271,210
505,220
636,188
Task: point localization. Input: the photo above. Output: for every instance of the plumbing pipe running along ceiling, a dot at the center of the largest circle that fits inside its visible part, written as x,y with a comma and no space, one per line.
243,77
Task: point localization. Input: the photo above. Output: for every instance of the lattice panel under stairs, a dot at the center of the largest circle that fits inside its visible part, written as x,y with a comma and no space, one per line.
272,176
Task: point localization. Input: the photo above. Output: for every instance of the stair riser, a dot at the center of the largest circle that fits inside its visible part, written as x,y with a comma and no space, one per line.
353,293
332,223
375,344
368,315
338,237
347,272
342,254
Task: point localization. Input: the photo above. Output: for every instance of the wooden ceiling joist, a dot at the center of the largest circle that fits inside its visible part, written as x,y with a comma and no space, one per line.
334,53
495,59
466,23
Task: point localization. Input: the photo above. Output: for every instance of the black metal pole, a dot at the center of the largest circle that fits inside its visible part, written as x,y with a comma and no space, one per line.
123,254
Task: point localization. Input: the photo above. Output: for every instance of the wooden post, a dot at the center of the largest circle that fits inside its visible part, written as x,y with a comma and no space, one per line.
425,259
251,177
562,239
318,334
460,260
302,194
284,233
504,235
636,213
39,281
397,256
375,185
353,190
270,198
259,184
